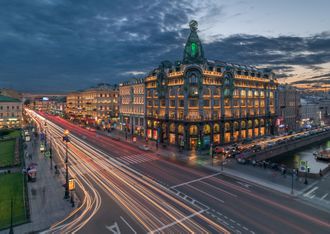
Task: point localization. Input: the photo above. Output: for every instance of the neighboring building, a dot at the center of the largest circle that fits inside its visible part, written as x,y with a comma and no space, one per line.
196,102
310,112
131,107
288,108
50,104
324,104
10,112
96,106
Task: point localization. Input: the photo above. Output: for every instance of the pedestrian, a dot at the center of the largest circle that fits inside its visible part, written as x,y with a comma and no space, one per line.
320,173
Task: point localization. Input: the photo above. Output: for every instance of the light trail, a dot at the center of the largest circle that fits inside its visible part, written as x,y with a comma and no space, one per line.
151,204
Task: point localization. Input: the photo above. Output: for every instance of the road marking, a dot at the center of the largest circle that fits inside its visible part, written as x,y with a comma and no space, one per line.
215,198
325,195
176,222
114,228
122,218
244,184
192,181
311,191
218,188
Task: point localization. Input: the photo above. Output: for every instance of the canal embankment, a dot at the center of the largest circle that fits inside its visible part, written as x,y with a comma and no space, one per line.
290,149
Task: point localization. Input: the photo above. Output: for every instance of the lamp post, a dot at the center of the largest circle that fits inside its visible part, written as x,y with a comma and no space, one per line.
306,182
11,230
292,174
66,139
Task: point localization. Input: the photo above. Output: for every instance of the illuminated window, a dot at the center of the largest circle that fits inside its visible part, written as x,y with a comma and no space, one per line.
227,127
216,128
193,130
181,129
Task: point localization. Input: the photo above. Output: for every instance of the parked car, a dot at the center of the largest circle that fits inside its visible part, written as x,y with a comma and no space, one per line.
241,160
144,147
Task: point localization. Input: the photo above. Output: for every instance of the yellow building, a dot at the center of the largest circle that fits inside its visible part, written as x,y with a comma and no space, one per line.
97,105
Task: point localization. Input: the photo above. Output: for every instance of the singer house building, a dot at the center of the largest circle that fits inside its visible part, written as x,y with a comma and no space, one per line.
197,102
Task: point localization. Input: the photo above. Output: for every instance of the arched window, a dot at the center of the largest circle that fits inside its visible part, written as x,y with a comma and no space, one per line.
181,129
243,93
262,122
250,124
256,93
235,126
216,128
207,129
243,124
172,127
227,127
271,94
256,123
193,130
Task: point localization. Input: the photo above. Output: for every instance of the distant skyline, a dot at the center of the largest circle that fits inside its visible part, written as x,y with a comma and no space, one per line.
62,45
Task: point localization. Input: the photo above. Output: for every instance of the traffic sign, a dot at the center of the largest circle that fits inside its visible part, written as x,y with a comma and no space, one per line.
72,184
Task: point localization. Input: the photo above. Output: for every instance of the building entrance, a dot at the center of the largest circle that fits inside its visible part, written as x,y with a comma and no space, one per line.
193,143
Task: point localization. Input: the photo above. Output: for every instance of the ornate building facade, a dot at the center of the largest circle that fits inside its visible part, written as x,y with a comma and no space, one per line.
97,105
197,102
131,107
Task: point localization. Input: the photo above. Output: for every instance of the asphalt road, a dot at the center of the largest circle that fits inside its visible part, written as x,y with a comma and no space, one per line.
236,205
142,204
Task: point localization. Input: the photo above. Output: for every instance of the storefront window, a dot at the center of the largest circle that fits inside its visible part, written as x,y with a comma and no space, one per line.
216,138
216,128
207,129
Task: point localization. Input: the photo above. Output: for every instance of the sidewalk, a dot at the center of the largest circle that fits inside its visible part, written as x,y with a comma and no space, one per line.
168,151
47,205
265,177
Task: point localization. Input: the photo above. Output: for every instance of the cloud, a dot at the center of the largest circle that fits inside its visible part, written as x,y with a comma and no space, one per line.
134,73
64,45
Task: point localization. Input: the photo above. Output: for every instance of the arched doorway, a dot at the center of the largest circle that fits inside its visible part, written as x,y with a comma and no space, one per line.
193,135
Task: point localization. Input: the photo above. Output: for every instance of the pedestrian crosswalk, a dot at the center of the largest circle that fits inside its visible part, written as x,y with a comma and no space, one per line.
137,158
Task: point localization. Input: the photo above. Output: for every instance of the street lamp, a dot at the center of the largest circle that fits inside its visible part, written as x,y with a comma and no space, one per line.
66,139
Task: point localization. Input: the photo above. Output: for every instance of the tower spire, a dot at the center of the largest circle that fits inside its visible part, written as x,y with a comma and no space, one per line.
193,51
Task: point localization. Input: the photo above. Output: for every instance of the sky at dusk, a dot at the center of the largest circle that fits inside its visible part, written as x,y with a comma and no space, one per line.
66,45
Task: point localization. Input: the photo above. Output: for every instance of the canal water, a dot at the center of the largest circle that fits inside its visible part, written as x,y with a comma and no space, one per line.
292,159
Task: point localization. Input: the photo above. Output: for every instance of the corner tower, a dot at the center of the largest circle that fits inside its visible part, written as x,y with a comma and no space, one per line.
193,51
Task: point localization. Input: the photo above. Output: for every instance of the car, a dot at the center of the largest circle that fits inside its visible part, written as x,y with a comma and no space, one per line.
144,147
271,143
256,148
241,160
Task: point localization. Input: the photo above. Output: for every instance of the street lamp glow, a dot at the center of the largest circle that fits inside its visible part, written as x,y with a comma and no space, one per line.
66,132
